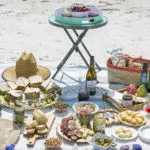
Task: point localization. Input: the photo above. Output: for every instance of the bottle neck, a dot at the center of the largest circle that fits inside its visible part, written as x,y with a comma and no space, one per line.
92,61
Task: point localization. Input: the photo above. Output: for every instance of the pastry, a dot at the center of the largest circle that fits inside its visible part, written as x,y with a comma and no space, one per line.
132,117
32,93
35,80
123,133
22,83
30,131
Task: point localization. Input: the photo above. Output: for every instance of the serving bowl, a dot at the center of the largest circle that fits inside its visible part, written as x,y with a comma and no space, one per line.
99,147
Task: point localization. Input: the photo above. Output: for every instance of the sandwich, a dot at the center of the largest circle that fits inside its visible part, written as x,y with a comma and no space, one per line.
33,93
22,83
12,85
35,81
14,95
4,88
45,84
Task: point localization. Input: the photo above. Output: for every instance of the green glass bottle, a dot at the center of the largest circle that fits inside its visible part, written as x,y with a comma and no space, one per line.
18,114
91,78
148,81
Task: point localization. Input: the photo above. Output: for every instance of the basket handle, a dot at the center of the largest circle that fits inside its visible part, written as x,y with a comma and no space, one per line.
131,60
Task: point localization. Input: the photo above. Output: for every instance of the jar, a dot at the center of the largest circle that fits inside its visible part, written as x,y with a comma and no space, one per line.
127,100
84,118
99,123
18,114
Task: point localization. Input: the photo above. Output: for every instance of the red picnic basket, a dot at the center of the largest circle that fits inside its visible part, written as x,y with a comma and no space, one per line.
130,74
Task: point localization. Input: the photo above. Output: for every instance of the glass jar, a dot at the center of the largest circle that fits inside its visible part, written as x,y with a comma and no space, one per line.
99,123
18,114
84,118
127,100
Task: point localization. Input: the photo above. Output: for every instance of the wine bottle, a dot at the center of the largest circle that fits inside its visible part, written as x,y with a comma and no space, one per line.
91,78
144,74
148,81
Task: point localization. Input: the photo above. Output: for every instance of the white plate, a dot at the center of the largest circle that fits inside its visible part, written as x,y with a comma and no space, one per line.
82,103
144,133
133,131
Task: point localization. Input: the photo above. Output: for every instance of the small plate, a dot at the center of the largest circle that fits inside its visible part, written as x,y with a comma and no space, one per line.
133,131
85,103
144,133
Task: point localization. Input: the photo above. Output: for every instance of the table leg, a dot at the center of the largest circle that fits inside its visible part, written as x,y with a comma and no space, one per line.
86,49
77,48
74,47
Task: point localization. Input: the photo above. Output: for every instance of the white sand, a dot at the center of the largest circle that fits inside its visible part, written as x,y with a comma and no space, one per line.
24,26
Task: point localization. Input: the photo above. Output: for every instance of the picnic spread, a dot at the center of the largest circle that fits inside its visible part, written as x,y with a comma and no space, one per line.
40,112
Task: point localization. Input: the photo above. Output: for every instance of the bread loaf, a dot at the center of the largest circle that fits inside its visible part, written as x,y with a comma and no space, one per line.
26,65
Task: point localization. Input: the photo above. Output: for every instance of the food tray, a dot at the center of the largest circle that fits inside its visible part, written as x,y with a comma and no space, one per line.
4,103
129,124
114,99
32,139
75,21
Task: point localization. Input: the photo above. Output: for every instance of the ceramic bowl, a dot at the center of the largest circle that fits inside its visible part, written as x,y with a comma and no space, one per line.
99,147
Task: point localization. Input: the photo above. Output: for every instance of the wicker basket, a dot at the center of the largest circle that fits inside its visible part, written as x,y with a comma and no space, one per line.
125,75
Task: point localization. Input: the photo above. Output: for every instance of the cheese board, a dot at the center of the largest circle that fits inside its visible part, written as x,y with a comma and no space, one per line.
35,136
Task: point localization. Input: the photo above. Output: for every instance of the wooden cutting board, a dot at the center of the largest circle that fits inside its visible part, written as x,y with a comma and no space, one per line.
9,132
32,139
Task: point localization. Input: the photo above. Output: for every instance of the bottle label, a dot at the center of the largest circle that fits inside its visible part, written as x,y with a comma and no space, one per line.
144,78
91,85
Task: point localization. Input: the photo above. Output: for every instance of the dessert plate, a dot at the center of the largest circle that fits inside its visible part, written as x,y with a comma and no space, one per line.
144,133
133,132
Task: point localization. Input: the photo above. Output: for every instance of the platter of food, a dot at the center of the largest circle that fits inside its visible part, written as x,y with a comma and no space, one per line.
110,115
132,118
78,14
71,130
101,141
52,143
39,127
116,99
60,107
124,133
85,106
33,92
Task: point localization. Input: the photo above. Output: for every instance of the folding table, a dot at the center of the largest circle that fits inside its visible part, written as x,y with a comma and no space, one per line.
75,47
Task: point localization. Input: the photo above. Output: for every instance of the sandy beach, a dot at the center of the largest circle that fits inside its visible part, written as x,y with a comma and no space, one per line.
24,27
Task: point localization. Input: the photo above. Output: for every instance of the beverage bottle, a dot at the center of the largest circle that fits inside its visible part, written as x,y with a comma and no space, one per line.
91,78
144,74
148,81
